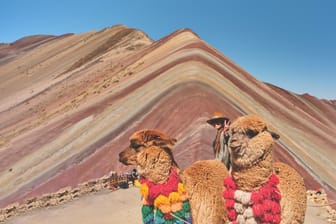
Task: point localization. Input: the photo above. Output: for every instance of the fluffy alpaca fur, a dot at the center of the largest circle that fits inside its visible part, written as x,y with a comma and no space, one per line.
154,164
252,165
151,151
204,183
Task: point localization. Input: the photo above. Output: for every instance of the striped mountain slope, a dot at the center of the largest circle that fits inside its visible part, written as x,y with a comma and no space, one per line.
69,104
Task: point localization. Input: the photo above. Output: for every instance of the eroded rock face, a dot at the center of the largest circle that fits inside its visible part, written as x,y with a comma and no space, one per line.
68,105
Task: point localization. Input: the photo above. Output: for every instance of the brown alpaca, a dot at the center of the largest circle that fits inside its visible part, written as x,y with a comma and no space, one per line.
151,152
252,166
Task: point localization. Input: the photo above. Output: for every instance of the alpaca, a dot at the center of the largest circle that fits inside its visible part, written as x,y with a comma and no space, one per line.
258,189
151,152
164,196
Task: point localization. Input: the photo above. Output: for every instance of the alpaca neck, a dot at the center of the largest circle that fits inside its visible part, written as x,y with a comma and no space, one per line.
254,177
159,177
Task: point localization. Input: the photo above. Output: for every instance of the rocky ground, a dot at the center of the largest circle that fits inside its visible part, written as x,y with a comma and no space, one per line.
124,206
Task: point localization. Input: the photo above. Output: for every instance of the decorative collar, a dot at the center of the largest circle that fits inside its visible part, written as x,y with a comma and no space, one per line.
262,206
154,190
168,199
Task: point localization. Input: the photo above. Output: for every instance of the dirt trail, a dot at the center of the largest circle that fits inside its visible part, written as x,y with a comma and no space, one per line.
105,207
118,207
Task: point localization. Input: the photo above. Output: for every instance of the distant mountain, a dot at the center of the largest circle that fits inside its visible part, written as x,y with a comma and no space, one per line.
69,103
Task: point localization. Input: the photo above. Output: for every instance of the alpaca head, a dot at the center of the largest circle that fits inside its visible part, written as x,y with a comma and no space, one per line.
250,141
154,164
143,139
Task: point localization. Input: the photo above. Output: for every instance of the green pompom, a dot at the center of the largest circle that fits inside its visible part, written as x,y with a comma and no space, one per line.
147,209
147,214
159,213
179,214
186,206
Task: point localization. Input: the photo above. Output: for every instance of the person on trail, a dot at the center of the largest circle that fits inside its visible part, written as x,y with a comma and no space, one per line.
220,143
134,175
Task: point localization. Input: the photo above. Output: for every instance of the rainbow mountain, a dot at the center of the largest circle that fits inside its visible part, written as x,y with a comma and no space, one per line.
69,104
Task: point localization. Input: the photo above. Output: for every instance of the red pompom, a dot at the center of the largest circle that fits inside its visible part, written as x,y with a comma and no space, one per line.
265,192
268,217
276,195
229,203
267,204
231,214
168,216
228,194
257,209
229,183
273,180
276,218
256,197
276,209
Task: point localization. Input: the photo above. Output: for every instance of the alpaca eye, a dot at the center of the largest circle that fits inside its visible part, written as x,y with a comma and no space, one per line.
251,133
135,146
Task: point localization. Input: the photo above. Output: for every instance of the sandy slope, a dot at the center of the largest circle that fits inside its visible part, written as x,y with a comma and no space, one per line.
121,206
105,207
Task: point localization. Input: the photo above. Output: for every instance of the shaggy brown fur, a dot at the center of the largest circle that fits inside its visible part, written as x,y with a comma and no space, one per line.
252,164
143,139
154,164
204,183
151,152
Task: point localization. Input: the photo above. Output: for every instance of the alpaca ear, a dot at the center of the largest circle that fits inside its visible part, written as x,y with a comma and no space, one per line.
149,135
274,135
146,135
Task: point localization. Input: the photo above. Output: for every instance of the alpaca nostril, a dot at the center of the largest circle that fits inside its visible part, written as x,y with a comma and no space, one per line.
234,146
232,141
234,149
122,159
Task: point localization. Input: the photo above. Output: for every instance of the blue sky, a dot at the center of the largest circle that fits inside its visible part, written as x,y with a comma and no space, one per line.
289,43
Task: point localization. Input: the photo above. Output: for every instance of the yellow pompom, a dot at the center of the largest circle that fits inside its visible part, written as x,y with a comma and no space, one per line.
183,197
176,207
181,189
161,200
174,197
165,208
145,202
137,183
144,190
